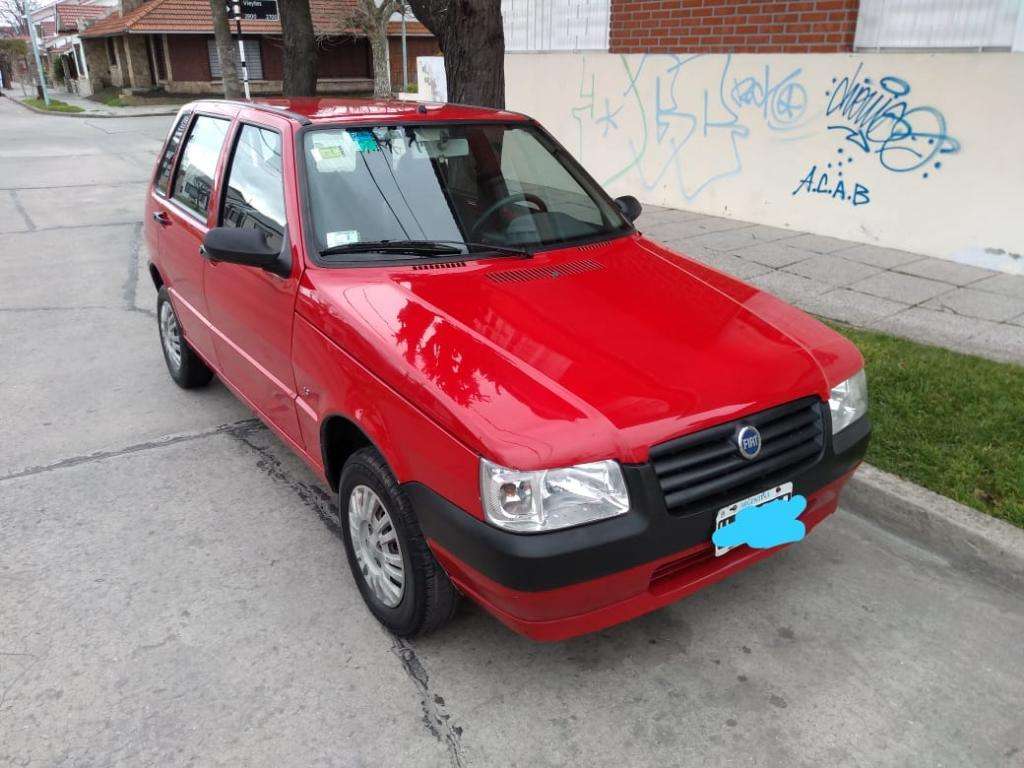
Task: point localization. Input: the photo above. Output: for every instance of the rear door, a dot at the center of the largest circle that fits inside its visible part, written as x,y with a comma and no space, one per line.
251,309
185,214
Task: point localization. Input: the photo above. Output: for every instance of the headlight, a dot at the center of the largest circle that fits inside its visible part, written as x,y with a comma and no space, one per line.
548,499
848,401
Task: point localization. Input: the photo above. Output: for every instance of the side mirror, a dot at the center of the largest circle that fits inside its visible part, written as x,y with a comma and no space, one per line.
248,247
629,206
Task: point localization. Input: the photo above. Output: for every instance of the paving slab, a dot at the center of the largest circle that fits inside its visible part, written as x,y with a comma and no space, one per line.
96,205
946,271
818,243
1007,285
968,302
887,258
855,308
775,255
793,288
937,328
1005,342
833,270
691,227
897,287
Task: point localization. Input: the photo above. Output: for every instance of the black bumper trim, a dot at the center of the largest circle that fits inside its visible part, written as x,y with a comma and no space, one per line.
538,562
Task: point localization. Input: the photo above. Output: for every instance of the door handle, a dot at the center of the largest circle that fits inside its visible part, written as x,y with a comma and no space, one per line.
161,218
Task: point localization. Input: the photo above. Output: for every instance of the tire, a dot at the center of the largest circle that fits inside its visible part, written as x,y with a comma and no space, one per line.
184,365
426,599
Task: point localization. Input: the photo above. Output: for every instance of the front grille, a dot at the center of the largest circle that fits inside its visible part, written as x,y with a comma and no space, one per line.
706,466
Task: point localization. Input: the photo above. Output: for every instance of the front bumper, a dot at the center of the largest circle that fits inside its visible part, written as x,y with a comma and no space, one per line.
556,585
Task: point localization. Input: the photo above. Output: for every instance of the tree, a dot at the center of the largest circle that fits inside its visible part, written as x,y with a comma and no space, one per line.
473,42
227,51
371,16
299,48
12,15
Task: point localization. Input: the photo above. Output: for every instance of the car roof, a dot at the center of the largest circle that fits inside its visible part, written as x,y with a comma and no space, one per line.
316,110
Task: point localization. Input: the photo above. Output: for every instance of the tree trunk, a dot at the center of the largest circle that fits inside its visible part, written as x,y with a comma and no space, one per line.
381,62
227,51
299,48
473,42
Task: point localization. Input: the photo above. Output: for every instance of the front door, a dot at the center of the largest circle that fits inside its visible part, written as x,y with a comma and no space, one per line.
183,218
252,309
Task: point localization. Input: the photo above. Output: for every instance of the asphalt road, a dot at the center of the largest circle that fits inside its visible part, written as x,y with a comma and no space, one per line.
171,595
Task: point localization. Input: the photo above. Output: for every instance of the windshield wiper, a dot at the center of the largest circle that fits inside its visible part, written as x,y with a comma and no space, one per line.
412,247
423,248
500,250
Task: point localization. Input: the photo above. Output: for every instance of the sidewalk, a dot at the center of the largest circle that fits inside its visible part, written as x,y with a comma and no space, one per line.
930,300
94,108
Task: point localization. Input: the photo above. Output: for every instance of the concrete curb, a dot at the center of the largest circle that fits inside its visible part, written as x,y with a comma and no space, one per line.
86,113
969,538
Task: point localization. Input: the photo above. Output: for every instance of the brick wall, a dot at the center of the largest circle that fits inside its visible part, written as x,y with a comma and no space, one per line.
737,26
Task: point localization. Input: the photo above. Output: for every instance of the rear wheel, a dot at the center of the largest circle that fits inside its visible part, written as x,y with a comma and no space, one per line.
397,575
184,365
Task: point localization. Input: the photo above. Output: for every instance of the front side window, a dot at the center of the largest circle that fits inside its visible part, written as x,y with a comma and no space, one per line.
254,198
163,169
495,184
193,183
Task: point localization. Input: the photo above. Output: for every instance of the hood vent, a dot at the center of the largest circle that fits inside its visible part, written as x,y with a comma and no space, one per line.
440,265
545,273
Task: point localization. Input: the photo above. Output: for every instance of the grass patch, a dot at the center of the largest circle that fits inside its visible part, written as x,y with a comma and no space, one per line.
55,106
950,422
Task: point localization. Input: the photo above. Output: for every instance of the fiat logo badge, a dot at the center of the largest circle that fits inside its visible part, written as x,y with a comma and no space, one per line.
748,440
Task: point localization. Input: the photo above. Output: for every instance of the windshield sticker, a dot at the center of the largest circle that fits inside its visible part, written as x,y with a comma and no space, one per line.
343,237
333,152
365,141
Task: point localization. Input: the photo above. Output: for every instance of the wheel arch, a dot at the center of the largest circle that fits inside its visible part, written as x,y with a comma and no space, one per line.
155,276
340,437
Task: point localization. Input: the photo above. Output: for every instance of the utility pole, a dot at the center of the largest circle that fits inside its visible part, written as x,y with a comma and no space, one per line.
35,52
405,55
236,11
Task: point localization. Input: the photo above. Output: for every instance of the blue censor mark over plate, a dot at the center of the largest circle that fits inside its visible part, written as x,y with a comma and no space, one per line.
766,526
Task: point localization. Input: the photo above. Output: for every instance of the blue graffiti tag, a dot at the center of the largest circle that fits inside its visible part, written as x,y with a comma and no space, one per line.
878,119
857,195
782,103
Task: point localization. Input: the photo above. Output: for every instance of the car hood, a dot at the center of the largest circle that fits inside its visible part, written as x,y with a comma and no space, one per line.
577,354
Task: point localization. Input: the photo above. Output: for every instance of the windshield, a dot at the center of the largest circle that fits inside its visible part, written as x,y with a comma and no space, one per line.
497,184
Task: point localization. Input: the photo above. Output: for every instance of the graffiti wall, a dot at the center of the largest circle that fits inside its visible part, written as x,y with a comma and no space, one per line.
914,151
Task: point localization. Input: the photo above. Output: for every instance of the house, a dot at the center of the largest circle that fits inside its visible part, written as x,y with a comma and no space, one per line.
60,44
169,45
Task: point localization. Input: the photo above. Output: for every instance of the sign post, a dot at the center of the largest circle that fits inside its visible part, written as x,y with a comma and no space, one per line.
35,52
250,10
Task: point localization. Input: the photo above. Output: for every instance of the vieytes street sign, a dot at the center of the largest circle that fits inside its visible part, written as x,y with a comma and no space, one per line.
253,10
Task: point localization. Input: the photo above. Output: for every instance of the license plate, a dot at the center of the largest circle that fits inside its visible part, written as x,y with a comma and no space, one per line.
727,515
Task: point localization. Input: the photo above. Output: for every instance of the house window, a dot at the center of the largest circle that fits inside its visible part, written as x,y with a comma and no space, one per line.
940,24
111,52
253,61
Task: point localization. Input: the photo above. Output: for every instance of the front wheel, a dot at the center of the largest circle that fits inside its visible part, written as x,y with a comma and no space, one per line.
184,365
397,575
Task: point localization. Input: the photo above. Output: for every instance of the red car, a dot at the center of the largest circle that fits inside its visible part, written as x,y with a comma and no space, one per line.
516,395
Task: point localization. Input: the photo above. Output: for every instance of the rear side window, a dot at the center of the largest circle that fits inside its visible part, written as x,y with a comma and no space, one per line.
193,183
163,169
255,190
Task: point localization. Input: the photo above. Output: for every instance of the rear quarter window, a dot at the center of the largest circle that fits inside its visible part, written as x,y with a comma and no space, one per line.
163,168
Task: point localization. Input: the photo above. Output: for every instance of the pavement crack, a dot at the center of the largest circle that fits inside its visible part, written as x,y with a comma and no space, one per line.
311,494
436,718
162,442
132,279
21,210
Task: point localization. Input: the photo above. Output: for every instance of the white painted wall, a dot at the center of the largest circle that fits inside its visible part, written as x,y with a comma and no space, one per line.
935,164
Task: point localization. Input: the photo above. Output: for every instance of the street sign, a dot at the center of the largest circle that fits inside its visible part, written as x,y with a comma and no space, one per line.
253,10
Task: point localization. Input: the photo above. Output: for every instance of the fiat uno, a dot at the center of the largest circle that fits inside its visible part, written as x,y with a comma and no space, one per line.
516,396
